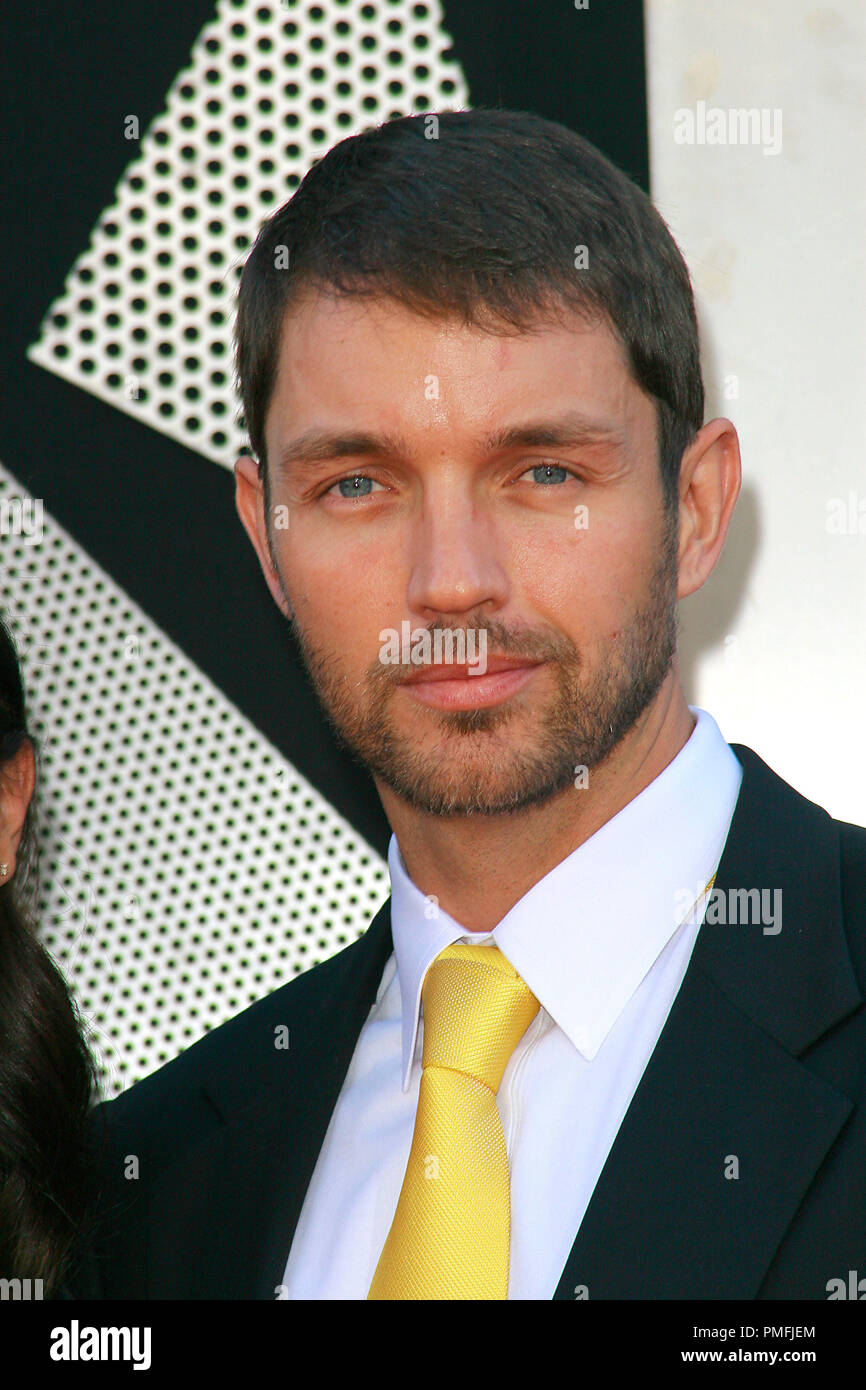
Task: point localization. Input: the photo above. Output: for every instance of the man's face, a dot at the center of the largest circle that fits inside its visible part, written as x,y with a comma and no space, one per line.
553,542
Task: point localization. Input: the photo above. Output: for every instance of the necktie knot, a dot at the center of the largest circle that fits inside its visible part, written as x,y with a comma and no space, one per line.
476,1010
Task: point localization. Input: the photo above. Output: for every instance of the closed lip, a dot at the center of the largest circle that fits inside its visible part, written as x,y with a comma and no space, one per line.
454,671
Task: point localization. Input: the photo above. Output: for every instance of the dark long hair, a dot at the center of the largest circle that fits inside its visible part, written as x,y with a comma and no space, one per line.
46,1073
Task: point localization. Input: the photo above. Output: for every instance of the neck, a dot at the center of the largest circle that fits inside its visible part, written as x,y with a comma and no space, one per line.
478,867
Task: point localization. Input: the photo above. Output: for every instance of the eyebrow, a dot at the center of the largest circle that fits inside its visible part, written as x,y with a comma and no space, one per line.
570,431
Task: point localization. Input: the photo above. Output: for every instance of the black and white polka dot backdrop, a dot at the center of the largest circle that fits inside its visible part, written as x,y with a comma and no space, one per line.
186,868
145,319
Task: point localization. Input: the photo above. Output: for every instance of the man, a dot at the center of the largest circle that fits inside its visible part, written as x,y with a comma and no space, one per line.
606,1039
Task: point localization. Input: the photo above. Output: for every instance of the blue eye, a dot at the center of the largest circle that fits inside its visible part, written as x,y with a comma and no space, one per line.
547,469
352,481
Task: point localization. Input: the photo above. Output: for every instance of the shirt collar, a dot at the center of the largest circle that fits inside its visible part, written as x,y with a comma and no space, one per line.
585,935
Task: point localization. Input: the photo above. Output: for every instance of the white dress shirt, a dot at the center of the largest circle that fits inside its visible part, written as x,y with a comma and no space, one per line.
603,941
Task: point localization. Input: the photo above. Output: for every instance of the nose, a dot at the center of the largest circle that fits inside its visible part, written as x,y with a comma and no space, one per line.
456,562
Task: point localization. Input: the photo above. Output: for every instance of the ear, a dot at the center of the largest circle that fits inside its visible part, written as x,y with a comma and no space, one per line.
17,780
710,478
250,504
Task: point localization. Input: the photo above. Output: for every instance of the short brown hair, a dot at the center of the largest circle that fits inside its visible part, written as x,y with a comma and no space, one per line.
479,214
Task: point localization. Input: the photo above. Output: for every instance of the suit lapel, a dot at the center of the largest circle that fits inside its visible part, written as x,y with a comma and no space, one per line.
723,1092
665,1221
245,1184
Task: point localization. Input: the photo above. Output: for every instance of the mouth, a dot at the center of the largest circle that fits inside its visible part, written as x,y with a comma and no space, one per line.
453,686
453,670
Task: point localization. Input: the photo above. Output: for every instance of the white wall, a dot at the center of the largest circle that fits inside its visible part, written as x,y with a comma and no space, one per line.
774,646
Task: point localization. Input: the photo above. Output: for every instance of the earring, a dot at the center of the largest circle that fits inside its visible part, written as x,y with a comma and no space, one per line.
3,870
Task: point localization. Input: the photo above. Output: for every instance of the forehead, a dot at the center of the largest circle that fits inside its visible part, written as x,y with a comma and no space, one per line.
373,360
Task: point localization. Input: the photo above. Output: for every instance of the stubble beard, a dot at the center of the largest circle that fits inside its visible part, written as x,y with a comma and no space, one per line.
505,759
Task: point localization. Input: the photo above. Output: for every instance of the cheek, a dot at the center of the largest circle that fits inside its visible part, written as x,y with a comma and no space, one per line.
342,594
589,582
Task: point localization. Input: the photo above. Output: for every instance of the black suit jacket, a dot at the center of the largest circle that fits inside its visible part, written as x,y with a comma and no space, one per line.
763,1057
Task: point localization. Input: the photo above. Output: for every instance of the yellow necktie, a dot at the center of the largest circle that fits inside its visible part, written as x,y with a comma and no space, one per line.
451,1230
